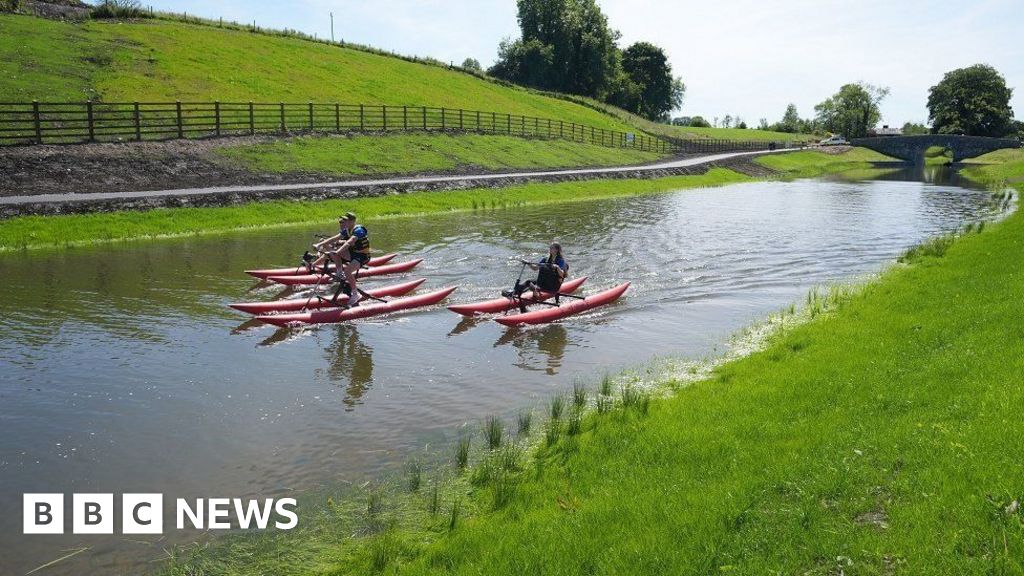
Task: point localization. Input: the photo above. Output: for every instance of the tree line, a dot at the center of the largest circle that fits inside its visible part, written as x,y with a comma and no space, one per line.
972,101
568,46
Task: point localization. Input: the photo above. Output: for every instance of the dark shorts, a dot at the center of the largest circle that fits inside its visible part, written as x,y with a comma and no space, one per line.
362,259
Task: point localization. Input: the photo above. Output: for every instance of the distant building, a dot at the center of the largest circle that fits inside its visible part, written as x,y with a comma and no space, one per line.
885,131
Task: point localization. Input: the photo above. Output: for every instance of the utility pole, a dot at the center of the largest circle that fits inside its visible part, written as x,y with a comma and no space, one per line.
332,26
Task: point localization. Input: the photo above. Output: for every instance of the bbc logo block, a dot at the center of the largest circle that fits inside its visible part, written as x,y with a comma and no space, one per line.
93,514
144,513
43,514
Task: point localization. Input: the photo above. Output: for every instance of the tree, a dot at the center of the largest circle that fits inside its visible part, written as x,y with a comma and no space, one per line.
727,121
912,129
528,63
853,110
790,120
566,45
699,122
974,101
763,124
472,64
741,125
1019,128
646,86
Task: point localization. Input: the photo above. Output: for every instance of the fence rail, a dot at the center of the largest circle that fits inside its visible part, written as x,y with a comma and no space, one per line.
76,122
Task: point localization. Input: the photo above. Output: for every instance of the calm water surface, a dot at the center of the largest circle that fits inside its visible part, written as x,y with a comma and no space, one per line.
122,370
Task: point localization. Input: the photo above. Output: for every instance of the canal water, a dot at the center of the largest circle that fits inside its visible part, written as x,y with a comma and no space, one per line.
122,369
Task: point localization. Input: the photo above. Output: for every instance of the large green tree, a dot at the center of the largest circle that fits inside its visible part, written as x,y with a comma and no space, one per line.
853,110
791,121
974,101
566,45
647,86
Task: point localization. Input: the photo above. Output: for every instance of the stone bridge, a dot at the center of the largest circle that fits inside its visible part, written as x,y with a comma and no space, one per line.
912,148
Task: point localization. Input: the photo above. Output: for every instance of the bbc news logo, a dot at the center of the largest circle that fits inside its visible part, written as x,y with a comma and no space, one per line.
144,514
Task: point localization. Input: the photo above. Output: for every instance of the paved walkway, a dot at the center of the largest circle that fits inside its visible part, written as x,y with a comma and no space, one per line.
351,184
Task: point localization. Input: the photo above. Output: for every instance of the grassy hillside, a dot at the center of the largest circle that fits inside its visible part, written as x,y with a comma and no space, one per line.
419,153
164,60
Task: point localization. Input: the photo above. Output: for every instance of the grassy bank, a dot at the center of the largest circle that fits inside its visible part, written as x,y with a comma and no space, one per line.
59,231
878,438
419,153
159,60
999,168
811,163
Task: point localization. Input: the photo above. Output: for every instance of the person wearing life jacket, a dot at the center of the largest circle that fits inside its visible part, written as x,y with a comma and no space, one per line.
551,272
345,225
349,257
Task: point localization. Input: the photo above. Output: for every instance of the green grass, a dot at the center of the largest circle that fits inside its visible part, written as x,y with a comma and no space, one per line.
689,132
997,168
160,60
937,155
69,230
810,163
47,60
418,153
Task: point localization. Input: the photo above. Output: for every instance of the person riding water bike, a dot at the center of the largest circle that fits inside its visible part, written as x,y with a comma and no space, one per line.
350,251
345,225
551,272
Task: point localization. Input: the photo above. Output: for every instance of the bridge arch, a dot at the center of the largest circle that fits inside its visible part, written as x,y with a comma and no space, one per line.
912,148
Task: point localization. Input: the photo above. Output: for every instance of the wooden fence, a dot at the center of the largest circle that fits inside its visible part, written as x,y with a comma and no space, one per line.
77,122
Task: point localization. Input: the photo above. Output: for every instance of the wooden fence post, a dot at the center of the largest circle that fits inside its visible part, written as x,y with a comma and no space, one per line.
362,119
384,116
216,116
284,128
37,121
91,122
561,128
337,117
310,116
177,110
508,127
478,121
424,117
252,119
461,124
138,123
494,123
405,117
443,123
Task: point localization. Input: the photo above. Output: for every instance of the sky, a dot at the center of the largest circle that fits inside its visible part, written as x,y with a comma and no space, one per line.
746,58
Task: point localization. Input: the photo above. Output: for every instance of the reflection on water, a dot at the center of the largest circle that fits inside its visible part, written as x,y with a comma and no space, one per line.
350,364
540,348
929,174
122,369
